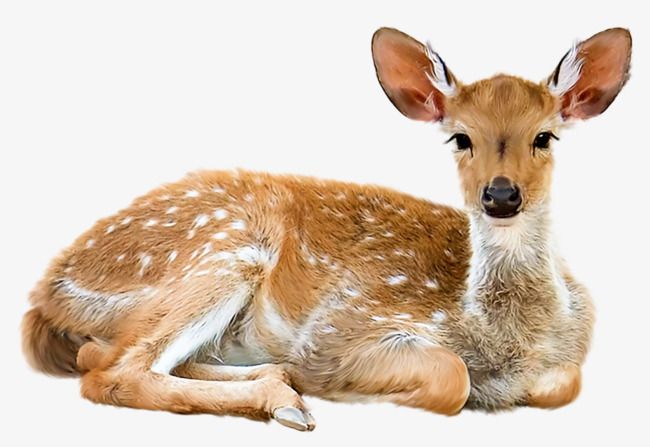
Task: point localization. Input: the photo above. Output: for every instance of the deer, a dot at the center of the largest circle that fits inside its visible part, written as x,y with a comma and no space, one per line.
237,292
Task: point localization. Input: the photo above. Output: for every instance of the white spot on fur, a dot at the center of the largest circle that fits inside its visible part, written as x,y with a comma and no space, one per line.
202,273
90,243
145,262
169,223
388,234
395,280
431,283
349,291
151,223
238,225
201,220
218,190
171,210
220,235
248,197
378,318
403,316
328,329
438,316
172,256
127,220
110,229
220,214
191,233
207,329
120,258
192,193
569,72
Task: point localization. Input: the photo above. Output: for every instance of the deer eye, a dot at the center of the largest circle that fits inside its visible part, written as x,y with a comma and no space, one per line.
463,142
543,139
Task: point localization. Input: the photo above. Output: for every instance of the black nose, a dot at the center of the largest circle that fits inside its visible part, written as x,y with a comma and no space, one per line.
501,198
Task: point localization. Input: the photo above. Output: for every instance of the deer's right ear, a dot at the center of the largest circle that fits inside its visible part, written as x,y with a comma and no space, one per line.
413,76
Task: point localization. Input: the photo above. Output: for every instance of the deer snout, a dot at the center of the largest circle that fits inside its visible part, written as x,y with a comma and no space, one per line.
501,198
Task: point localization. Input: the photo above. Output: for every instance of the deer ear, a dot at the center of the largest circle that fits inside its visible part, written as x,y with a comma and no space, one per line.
413,76
592,73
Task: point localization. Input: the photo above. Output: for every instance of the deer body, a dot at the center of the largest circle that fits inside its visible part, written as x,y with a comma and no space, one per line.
230,292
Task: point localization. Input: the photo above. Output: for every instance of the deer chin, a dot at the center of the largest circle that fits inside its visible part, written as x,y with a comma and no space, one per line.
501,222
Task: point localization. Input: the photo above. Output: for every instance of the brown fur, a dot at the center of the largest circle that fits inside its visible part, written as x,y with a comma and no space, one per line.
333,289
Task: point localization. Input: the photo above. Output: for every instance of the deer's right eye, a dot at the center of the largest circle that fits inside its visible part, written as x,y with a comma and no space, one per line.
463,141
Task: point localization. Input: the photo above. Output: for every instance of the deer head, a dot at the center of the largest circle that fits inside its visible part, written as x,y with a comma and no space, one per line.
502,127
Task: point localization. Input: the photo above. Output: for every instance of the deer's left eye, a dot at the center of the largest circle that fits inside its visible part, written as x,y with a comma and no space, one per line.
543,139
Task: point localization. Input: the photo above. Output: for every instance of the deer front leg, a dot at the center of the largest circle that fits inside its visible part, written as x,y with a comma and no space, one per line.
556,387
398,367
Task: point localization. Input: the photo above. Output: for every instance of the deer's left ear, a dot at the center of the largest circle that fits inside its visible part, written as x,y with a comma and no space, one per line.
591,74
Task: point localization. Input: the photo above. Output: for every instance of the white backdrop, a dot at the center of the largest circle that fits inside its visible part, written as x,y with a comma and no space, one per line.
101,101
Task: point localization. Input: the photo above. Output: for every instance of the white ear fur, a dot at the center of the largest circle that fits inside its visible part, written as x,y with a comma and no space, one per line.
440,79
567,73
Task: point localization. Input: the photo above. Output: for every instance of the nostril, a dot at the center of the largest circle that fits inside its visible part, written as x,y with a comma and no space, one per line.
514,196
487,197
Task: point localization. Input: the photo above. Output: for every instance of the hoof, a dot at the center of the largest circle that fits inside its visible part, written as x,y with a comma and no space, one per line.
294,418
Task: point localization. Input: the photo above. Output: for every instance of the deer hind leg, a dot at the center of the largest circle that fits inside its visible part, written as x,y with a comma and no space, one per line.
401,368
136,372
204,371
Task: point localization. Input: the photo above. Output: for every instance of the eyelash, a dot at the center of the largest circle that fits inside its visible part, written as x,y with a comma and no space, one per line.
543,139
463,142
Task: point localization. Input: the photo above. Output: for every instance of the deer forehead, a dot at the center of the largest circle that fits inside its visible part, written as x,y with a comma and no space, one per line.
500,108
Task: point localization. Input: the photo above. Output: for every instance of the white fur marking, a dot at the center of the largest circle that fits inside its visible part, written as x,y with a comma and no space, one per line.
201,220
145,261
151,223
90,243
220,235
171,210
110,229
431,283
120,258
238,225
395,280
257,255
192,193
220,214
127,220
349,291
172,256
207,329
438,316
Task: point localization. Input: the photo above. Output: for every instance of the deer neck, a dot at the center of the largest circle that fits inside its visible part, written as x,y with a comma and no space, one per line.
514,271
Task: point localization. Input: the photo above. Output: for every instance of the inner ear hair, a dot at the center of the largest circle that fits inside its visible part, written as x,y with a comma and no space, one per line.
592,73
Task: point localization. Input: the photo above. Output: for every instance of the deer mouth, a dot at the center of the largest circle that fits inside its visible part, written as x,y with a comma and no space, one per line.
503,222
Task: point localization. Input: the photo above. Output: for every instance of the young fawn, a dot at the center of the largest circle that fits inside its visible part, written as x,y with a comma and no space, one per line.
235,292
